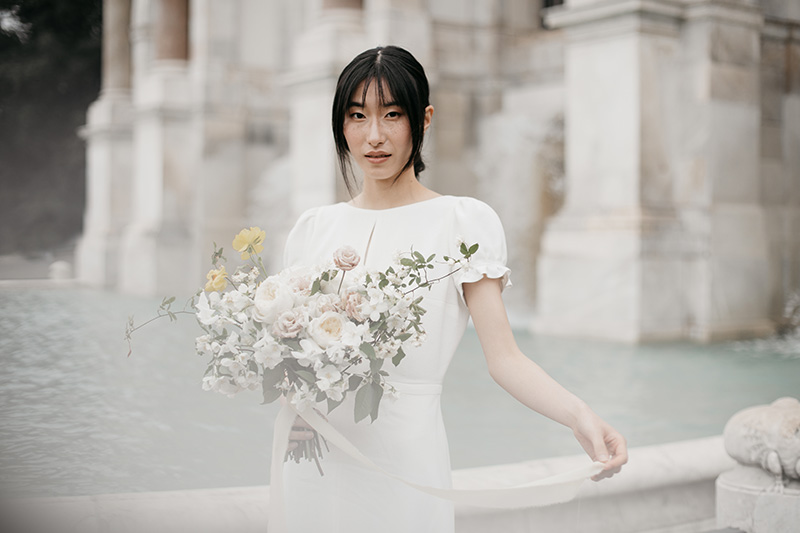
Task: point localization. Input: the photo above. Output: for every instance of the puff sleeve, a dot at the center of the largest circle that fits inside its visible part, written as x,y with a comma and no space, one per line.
476,222
294,252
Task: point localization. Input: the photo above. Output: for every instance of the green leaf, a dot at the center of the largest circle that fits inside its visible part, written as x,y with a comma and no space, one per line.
473,248
354,382
398,356
268,382
367,349
405,261
368,399
375,365
463,249
419,257
315,287
325,276
333,404
306,376
294,344
429,259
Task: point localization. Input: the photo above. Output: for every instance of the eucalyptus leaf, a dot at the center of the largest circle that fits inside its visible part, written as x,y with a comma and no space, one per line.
473,248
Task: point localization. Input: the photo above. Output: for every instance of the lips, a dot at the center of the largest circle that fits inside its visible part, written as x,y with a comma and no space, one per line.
377,157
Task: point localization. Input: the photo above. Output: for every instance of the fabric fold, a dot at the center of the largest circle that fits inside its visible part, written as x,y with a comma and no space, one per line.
551,490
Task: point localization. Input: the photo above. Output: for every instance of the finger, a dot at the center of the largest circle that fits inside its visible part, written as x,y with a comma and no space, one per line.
301,435
599,450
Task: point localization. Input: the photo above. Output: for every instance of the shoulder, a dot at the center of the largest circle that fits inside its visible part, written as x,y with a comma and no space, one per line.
315,215
468,210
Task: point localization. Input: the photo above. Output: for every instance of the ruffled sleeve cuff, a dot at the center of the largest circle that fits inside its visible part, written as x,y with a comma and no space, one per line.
477,223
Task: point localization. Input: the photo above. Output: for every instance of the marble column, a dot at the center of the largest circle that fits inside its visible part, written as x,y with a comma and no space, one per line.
662,234
731,282
157,250
108,154
610,262
332,39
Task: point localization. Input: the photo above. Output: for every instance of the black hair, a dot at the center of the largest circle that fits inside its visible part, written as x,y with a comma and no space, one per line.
397,69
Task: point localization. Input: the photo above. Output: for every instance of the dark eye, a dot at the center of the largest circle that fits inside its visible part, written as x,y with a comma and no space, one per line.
357,115
393,114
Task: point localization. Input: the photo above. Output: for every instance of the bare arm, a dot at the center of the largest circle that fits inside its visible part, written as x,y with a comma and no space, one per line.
531,385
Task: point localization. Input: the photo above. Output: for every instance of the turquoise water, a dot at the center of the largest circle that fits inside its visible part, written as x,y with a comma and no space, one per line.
79,417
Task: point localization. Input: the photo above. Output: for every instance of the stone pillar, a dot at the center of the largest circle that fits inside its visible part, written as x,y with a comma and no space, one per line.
662,234
220,121
334,37
172,30
780,135
108,154
610,261
718,189
404,23
157,256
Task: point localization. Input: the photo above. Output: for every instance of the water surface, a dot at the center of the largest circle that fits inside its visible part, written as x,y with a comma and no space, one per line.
79,417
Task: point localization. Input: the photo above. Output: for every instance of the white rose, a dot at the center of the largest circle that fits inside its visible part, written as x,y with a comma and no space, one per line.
299,279
346,258
327,329
320,304
289,324
273,297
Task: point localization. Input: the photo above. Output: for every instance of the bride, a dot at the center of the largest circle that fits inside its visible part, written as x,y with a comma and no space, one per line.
381,111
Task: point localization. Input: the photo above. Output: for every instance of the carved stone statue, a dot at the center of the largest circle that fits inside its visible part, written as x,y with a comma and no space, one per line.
767,436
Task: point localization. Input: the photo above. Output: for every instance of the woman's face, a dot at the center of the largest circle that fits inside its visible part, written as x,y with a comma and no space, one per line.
378,136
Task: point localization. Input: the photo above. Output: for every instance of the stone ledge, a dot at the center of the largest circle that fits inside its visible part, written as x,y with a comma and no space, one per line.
664,488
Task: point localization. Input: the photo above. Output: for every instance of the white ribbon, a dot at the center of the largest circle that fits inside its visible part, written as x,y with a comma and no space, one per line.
554,489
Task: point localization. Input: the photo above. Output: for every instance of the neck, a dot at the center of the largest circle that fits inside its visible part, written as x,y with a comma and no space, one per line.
388,193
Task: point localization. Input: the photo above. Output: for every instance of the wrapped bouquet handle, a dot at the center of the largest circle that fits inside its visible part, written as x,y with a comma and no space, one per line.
547,491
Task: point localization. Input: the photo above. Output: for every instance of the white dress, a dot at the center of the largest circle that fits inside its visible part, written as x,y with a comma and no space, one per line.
408,438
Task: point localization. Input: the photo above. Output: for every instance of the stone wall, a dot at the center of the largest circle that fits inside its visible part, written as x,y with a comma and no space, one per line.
641,155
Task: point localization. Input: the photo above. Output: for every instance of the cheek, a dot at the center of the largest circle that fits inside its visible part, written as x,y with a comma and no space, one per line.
351,134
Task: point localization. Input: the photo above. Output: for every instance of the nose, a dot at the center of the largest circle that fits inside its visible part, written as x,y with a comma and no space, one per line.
375,134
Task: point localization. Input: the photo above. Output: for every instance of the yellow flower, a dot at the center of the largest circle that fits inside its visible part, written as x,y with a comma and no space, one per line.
249,241
216,279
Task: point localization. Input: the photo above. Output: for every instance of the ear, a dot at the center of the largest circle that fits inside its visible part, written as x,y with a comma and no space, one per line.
428,118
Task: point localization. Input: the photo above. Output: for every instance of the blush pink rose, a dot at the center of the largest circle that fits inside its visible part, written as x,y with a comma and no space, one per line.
351,302
346,258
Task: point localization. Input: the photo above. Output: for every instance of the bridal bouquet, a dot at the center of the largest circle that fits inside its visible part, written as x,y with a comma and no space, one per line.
309,334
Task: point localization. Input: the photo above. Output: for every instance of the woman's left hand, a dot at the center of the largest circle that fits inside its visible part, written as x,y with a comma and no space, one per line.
602,442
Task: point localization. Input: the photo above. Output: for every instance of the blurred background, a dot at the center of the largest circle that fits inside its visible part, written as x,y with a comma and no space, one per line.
644,160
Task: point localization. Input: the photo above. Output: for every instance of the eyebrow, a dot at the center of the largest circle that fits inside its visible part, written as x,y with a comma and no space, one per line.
387,104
